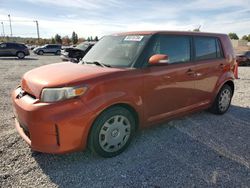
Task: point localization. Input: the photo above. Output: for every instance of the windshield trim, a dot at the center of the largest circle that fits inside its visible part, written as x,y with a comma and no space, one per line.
139,57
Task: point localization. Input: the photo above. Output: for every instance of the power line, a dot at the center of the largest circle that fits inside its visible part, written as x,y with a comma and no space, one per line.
3,29
16,20
10,26
37,30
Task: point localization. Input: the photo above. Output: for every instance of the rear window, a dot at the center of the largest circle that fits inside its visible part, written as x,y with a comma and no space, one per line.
207,48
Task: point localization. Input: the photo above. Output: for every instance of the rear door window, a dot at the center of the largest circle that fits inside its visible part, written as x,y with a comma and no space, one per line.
207,48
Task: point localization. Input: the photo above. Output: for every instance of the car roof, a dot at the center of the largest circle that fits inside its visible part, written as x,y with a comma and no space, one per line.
170,32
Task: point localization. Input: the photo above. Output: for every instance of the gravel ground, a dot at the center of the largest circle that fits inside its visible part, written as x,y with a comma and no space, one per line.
199,150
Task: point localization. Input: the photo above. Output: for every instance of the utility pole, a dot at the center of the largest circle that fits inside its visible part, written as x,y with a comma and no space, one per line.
10,26
3,29
37,30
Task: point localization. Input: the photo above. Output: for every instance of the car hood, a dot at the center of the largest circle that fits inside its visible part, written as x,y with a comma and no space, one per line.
61,75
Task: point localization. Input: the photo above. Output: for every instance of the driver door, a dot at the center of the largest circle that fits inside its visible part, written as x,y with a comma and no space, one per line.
169,89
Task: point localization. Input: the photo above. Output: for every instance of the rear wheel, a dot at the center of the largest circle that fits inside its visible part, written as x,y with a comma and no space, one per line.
58,52
20,55
222,101
111,132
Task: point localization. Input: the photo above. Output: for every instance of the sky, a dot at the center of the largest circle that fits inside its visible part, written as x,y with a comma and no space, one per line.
103,17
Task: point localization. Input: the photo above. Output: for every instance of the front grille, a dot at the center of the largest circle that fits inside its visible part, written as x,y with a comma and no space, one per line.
32,96
22,93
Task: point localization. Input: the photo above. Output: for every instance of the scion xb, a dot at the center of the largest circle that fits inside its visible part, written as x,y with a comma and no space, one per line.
125,82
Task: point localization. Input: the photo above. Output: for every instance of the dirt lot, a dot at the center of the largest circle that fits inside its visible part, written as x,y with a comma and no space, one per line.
200,150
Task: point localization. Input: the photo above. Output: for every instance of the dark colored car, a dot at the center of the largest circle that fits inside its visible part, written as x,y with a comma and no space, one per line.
243,59
74,54
48,48
11,49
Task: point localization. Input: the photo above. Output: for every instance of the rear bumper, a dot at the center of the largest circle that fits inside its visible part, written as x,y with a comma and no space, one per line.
52,128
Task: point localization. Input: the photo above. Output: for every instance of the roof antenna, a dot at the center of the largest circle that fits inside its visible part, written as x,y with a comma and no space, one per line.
197,29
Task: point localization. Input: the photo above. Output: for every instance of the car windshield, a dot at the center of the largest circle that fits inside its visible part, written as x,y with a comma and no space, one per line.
117,51
82,46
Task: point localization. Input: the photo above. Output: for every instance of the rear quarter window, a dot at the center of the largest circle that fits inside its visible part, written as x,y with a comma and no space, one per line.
207,48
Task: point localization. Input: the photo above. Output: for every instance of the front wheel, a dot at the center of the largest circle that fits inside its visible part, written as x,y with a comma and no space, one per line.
40,52
111,132
222,101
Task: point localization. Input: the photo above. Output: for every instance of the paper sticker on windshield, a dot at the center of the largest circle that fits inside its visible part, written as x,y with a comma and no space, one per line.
133,38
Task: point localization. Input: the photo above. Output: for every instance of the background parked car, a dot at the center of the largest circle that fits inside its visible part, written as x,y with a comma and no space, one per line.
48,48
243,58
74,54
9,49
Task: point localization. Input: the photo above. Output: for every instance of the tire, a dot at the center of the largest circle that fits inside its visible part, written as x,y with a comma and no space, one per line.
222,101
20,55
111,132
40,52
58,52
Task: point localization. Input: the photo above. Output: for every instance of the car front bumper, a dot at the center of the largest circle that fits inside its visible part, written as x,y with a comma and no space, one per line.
52,127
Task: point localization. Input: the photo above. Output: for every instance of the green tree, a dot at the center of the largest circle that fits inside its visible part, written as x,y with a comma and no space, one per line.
96,38
248,37
53,40
88,39
245,37
197,30
91,38
58,39
66,40
233,36
74,37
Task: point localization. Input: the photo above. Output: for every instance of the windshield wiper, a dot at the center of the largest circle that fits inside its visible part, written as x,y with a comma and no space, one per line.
96,63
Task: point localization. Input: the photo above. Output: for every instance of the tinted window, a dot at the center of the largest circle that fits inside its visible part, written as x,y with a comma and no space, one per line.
54,46
3,45
207,48
176,47
248,54
10,45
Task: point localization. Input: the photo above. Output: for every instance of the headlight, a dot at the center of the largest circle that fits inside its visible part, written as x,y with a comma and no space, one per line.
59,94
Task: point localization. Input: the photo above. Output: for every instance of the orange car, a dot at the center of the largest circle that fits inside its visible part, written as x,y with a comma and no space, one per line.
125,82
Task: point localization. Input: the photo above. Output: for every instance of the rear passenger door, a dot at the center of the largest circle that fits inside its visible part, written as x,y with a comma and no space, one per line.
169,89
210,62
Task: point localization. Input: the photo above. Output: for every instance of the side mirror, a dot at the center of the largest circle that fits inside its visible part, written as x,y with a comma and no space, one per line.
158,59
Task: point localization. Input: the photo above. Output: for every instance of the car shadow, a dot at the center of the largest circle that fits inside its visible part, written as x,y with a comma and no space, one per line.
201,149
15,58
